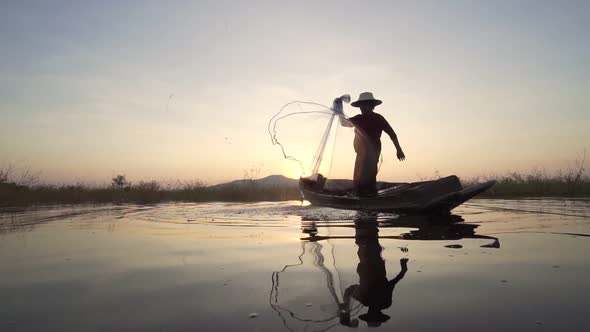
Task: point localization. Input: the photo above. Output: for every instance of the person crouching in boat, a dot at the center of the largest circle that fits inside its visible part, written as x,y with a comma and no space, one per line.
368,127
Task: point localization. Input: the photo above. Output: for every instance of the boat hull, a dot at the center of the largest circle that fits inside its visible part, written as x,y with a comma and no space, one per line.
431,197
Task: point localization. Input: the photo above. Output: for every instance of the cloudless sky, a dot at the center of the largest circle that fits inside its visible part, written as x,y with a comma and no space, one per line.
471,87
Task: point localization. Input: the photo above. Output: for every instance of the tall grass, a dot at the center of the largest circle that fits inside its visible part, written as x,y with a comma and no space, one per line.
24,190
12,194
573,182
538,184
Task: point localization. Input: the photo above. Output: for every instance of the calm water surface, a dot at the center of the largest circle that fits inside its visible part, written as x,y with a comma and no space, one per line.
518,264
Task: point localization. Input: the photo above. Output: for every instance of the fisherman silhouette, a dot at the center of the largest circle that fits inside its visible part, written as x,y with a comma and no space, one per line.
374,290
368,127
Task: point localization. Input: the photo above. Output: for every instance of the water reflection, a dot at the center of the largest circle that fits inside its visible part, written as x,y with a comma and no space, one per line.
373,292
424,228
21,220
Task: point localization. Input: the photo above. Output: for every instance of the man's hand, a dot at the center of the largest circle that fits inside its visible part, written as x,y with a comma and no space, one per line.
400,155
404,263
337,106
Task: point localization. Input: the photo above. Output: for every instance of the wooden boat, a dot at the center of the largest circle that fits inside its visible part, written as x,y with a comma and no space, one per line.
427,197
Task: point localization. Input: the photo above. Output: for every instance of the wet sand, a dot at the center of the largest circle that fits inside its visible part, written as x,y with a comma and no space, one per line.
497,264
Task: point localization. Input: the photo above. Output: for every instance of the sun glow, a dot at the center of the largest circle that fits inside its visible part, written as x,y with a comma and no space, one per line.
292,170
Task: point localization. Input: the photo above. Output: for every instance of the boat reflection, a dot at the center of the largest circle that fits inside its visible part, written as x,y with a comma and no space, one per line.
373,290
425,228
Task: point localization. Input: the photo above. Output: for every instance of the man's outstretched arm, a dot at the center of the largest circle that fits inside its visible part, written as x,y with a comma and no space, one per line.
387,128
346,122
404,265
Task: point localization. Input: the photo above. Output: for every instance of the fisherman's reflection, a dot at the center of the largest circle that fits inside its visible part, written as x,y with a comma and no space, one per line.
374,290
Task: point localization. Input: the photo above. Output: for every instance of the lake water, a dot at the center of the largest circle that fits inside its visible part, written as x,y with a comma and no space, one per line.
495,264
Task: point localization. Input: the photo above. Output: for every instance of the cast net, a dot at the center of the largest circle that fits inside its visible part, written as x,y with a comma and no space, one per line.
306,132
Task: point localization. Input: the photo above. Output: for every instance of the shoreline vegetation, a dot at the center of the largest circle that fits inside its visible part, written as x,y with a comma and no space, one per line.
25,192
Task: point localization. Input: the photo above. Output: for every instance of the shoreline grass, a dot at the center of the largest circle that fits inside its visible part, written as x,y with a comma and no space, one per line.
537,185
15,194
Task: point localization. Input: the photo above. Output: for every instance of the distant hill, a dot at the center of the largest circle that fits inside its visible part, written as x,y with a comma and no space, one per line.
269,181
280,181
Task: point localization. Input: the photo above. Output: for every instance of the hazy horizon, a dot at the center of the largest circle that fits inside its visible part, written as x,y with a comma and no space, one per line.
184,89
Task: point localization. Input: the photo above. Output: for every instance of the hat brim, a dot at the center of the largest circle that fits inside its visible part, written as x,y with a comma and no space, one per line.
375,317
373,102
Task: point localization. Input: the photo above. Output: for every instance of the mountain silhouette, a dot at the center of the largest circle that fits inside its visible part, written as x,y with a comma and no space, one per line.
269,181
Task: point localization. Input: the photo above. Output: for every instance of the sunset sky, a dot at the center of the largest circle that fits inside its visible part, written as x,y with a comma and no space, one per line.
184,89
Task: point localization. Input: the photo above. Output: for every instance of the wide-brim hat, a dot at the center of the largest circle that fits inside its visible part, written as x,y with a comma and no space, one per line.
366,97
374,318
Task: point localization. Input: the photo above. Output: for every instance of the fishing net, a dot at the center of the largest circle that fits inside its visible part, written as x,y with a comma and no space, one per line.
306,133
308,294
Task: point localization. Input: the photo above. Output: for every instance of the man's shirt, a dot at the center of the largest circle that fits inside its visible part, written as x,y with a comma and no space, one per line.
371,126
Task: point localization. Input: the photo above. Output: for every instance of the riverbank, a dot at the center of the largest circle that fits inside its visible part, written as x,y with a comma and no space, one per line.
273,188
